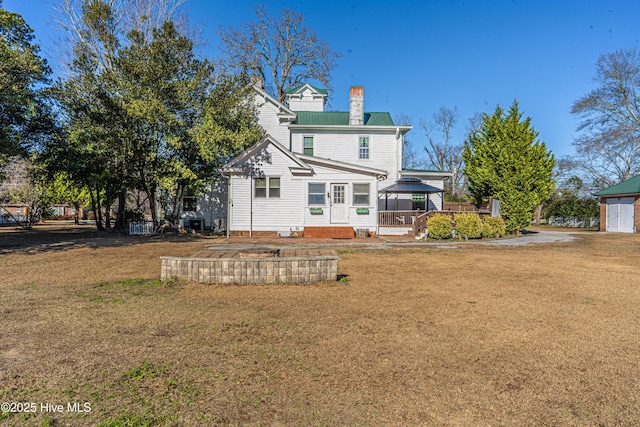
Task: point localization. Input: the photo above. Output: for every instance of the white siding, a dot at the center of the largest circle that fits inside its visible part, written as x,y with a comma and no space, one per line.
270,122
343,146
291,211
281,214
332,176
211,206
307,101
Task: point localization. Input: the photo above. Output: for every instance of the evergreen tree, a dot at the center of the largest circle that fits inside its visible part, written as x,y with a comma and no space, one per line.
506,160
25,118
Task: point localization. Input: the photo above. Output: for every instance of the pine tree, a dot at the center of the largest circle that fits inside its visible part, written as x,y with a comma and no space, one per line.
506,160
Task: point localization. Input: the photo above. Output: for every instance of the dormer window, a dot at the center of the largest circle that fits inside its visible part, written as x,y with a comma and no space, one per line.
363,147
306,98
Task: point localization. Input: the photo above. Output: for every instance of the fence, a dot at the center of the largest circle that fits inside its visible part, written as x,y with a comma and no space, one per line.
13,219
141,227
573,222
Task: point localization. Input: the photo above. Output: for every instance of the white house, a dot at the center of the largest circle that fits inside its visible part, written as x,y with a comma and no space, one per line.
326,173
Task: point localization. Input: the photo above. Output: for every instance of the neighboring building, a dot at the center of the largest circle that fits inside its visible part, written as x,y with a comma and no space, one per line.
620,207
15,175
327,173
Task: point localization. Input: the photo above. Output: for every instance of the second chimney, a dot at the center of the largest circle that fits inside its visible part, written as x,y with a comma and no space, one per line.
356,105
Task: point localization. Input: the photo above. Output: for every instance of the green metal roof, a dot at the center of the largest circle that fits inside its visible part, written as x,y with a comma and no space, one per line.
295,89
340,118
630,186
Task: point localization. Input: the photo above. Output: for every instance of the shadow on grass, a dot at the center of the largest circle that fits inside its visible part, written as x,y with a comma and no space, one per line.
53,237
343,278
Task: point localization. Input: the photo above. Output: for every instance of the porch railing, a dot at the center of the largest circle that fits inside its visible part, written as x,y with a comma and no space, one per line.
398,218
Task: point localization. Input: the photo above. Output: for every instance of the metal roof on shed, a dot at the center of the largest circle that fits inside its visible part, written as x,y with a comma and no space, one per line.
630,186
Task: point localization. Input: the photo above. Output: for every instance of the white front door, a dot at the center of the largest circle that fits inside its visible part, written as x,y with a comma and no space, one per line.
620,215
339,210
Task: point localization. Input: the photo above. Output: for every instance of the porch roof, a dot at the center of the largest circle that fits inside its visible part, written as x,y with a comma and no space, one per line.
410,186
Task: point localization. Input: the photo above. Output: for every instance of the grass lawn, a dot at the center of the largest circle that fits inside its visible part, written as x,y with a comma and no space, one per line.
540,335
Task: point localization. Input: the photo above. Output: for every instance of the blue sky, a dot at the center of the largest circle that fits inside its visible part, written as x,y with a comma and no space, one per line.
413,57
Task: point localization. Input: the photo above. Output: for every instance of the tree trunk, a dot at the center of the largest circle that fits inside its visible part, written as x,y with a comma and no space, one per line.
76,213
122,206
537,215
107,207
153,205
96,208
177,207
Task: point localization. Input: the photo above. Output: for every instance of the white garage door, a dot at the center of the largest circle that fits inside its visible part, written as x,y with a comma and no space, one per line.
620,214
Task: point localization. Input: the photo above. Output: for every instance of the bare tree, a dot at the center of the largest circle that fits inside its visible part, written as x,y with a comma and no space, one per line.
442,152
281,50
126,15
410,157
608,150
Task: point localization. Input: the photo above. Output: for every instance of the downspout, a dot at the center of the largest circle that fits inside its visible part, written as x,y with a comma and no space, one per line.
250,206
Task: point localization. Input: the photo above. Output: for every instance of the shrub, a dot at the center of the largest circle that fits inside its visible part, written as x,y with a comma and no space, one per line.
469,226
493,227
439,226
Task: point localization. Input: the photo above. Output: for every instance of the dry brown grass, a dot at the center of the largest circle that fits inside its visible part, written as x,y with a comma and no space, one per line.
472,336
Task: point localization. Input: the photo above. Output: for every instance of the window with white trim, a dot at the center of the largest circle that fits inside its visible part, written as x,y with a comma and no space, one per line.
316,194
266,188
274,188
361,194
363,147
307,145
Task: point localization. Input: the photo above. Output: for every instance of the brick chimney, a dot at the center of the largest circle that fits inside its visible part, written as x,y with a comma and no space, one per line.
356,105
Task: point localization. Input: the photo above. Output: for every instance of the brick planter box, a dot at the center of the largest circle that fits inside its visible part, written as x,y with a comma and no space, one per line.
253,267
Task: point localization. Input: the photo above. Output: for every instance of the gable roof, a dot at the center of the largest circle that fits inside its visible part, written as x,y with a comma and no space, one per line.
240,161
630,186
282,109
299,88
334,164
341,118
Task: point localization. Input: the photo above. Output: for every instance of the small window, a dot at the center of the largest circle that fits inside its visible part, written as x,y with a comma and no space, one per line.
18,210
261,186
307,145
316,194
274,188
189,203
363,145
361,194
260,189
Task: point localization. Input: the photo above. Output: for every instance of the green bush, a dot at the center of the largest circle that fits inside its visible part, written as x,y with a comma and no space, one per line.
493,227
439,226
469,226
